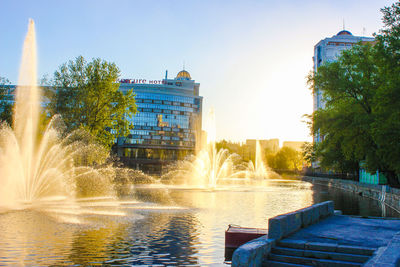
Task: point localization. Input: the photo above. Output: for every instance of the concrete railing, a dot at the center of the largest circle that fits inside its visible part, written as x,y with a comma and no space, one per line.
253,253
286,224
387,256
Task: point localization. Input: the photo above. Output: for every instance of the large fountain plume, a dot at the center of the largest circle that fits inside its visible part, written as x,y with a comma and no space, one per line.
32,165
47,169
42,165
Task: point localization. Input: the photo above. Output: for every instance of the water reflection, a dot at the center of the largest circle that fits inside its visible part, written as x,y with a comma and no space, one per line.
162,226
33,238
163,239
352,204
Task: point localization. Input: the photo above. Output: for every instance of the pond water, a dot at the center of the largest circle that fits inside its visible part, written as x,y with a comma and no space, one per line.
163,225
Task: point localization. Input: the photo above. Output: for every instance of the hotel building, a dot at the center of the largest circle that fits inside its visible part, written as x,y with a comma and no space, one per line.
328,50
167,126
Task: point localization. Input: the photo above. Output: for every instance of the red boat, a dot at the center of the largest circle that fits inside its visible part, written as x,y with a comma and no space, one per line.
235,236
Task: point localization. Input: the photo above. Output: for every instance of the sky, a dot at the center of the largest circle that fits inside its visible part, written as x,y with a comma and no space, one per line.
251,57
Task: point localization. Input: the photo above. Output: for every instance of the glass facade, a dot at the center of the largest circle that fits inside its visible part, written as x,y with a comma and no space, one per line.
167,124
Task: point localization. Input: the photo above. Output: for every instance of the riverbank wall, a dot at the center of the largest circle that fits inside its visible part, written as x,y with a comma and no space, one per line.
384,193
315,235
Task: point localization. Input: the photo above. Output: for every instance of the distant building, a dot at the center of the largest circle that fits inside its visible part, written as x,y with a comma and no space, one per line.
327,50
272,145
296,145
167,126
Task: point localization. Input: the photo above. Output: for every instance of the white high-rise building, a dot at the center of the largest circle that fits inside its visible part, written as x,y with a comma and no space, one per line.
328,50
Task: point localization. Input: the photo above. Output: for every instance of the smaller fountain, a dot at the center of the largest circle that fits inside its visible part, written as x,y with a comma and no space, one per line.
259,170
210,168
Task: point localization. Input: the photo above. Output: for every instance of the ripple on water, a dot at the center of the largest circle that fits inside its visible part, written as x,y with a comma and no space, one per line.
188,229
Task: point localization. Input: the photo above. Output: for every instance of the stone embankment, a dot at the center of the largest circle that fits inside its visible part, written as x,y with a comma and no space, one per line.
389,196
255,252
317,236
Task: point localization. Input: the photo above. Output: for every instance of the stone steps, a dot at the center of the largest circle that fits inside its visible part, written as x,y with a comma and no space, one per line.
299,253
284,260
271,263
299,244
320,254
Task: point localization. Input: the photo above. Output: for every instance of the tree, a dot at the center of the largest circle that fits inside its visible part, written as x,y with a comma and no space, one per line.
5,101
362,94
348,85
87,96
286,158
308,152
386,127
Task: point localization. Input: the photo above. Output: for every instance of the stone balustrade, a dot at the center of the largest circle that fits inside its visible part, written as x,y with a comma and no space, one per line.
253,253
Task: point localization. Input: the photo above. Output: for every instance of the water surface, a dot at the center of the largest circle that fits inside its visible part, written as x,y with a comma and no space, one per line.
163,225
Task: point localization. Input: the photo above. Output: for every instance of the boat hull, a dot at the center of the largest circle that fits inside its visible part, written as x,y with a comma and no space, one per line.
236,236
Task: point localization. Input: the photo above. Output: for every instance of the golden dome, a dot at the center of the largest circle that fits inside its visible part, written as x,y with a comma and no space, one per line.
344,32
183,75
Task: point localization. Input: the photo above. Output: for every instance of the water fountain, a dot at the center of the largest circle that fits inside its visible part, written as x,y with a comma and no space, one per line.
31,167
211,167
39,169
259,170
65,176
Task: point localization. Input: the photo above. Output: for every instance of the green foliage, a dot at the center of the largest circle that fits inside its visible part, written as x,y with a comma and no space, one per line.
5,101
308,153
286,158
361,120
87,97
386,127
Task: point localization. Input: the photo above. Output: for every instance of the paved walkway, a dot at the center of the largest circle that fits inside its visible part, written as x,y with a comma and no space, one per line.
350,230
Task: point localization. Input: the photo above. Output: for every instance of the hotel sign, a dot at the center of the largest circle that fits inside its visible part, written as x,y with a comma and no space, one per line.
142,81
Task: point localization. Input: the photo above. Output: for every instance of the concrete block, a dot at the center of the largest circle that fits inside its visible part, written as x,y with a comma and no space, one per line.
331,208
315,214
337,212
277,227
253,253
293,220
306,217
323,209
